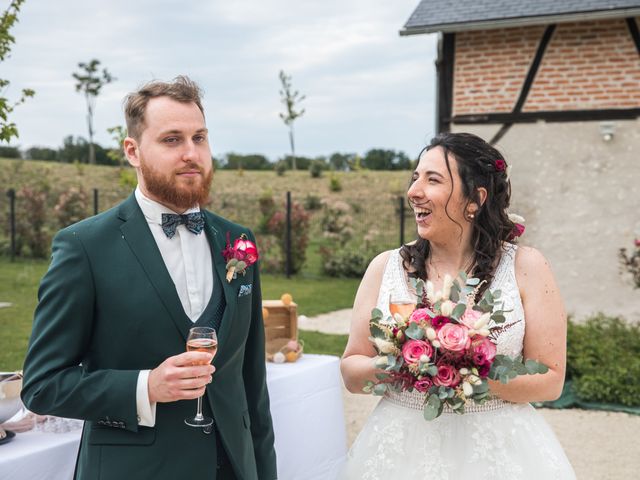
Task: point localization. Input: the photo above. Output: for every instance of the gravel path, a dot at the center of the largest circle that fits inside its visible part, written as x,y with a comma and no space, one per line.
600,445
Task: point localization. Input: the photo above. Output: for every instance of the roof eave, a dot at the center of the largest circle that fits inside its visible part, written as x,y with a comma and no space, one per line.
520,22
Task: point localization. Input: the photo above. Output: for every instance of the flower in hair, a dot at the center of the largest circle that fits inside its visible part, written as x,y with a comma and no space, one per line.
518,226
500,165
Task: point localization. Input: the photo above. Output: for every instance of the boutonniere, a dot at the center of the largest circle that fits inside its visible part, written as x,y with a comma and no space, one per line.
243,254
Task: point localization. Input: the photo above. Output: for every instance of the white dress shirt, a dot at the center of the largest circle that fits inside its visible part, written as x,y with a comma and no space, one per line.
187,257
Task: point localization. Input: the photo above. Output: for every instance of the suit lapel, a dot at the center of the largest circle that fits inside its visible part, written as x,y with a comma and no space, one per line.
218,242
140,240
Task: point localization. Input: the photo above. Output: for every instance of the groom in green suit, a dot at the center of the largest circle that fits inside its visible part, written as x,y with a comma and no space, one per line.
116,305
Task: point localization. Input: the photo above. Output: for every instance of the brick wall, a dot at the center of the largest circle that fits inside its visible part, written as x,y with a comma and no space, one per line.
587,65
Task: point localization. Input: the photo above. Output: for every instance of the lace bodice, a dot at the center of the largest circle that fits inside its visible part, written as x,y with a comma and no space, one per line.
394,286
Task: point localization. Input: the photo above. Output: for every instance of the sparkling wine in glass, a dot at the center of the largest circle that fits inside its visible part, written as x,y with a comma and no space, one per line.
201,339
403,306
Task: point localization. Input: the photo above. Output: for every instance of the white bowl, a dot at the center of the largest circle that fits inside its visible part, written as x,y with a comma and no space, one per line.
10,402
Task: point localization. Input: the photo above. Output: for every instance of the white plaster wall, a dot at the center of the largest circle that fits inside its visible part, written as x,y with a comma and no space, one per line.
580,197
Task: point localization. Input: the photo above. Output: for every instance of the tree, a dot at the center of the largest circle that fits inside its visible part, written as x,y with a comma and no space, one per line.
8,129
291,101
118,134
379,159
90,82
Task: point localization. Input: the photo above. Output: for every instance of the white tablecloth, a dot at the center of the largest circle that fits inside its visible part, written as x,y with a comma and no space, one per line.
308,422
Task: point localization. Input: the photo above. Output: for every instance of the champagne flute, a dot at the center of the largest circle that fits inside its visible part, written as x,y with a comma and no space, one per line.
201,339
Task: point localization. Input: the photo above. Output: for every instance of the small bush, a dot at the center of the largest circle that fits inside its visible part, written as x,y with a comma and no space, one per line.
316,167
33,233
312,202
9,152
603,360
72,206
631,262
299,234
280,167
343,263
337,222
334,184
127,178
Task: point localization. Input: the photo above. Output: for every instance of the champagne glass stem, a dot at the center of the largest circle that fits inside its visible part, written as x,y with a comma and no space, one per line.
199,414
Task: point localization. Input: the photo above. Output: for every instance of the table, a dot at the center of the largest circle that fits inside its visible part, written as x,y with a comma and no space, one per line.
308,423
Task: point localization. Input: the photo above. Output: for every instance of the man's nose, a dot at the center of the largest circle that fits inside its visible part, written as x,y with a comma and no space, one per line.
189,152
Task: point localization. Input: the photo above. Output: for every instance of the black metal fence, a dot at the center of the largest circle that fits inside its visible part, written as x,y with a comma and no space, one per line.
318,236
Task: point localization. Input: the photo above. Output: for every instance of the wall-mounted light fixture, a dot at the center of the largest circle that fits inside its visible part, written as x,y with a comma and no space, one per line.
607,130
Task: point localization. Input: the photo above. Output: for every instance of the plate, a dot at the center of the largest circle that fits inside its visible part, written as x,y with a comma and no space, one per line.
8,438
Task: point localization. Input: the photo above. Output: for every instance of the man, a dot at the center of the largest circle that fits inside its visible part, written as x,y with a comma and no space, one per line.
115,308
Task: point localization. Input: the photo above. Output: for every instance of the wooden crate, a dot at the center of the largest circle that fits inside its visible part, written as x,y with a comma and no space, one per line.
282,321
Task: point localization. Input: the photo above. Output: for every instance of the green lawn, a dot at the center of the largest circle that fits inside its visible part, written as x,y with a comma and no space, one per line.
19,285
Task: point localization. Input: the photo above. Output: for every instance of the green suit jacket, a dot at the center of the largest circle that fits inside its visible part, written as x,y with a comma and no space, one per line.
108,309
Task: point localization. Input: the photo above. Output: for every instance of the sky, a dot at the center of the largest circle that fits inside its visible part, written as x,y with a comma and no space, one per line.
365,85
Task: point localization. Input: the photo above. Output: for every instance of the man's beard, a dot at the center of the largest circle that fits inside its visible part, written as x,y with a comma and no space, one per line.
168,190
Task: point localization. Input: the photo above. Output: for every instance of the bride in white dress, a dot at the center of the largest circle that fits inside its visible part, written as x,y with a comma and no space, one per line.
460,193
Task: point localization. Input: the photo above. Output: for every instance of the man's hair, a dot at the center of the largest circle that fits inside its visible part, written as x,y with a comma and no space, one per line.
181,89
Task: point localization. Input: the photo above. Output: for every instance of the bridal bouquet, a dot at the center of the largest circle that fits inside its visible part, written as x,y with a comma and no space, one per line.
446,347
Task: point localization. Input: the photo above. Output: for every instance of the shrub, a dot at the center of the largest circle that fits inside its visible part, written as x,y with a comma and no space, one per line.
337,222
33,235
603,360
267,209
280,167
299,234
343,263
631,262
334,183
316,167
312,202
127,178
72,206
270,254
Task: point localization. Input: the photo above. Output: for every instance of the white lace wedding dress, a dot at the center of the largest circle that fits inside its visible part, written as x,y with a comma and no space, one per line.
495,441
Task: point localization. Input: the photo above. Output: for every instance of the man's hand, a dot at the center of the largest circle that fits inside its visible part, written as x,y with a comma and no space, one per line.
182,377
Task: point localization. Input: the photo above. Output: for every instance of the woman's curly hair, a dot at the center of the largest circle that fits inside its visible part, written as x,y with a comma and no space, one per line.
479,165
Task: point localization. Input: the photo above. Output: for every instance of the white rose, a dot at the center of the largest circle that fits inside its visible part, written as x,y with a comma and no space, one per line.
516,218
464,371
424,358
447,308
431,333
467,389
383,345
436,344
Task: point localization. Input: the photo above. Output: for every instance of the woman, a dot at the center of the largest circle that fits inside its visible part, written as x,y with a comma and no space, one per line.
460,193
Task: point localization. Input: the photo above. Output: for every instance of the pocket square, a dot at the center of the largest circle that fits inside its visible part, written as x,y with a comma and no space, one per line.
245,290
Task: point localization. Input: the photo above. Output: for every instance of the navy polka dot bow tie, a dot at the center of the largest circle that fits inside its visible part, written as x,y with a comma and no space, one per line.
193,221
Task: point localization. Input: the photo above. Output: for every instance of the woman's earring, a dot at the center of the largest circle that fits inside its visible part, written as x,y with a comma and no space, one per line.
470,216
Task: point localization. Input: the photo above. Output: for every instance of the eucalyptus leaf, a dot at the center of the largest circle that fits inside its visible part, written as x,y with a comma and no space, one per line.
481,388
432,370
454,296
414,331
241,266
504,379
473,281
458,311
376,314
382,376
232,263
498,318
432,408
377,331
379,389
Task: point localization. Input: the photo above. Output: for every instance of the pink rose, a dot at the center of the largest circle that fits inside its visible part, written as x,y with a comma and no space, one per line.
637,242
453,337
484,351
517,231
423,384
470,317
246,251
419,315
439,321
501,165
447,376
412,350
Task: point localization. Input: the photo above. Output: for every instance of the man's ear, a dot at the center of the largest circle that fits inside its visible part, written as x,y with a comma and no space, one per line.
130,148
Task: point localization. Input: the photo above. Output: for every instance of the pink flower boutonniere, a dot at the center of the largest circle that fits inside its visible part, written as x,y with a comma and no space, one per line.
243,254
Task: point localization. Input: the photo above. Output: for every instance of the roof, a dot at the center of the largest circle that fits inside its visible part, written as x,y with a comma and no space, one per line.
460,15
